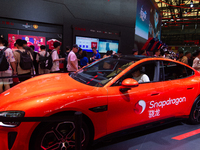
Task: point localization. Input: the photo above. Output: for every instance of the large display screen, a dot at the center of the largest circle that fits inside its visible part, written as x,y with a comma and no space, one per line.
148,20
37,41
102,45
86,43
106,45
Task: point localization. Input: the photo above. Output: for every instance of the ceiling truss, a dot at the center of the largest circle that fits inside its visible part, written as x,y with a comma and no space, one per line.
180,21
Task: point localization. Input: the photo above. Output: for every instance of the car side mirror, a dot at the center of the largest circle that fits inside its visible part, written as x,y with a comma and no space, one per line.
127,84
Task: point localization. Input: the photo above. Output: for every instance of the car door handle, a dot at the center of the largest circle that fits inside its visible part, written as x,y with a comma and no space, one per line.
154,94
190,88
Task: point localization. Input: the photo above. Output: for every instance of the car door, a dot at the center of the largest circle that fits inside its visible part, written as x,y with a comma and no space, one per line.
132,107
180,88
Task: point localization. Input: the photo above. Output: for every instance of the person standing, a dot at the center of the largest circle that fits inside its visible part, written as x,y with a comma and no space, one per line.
95,54
78,55
196,61
108,54
156,53
134,52
84,60
186,58
180,55
55,58
42,53
34,54
26,74
143,52
9,72
66,56
72,61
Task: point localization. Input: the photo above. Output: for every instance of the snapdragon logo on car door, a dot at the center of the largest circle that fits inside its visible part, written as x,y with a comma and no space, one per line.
140,107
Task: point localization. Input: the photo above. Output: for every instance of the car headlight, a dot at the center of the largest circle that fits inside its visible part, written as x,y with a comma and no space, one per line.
11,114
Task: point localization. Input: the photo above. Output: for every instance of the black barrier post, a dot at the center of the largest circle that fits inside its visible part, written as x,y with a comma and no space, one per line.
78,126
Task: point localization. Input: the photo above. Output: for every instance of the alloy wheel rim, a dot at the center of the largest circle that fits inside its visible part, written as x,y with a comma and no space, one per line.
61,137
196,113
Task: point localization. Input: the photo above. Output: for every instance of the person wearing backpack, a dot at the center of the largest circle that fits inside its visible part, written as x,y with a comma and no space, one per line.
7,65
23,60
41,58
55,58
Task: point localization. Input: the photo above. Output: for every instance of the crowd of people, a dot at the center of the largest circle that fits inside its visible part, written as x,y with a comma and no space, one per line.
23,62
191,59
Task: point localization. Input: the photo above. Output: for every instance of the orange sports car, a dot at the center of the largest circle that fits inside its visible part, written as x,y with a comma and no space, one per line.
114,94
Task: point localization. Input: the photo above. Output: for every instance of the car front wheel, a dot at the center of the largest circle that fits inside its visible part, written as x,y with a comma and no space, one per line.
59,136
195,113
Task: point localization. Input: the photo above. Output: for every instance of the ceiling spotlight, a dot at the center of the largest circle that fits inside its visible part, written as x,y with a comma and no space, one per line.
191,4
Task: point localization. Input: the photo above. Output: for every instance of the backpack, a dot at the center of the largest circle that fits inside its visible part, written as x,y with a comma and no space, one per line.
49,61
4,65
26,62
66,56
43,61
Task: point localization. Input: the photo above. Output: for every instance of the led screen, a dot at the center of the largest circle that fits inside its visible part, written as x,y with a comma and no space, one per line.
148,20
86,43
37,41
106,45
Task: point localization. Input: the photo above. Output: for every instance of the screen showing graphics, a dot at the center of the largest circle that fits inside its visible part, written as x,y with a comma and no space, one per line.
148,20
106,45
37,41
86,43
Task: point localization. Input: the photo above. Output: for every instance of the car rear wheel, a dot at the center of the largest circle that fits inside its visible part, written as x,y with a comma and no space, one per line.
60,136
195,113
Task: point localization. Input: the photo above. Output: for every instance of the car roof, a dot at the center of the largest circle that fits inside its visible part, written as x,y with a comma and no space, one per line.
146,58
131,57
140,57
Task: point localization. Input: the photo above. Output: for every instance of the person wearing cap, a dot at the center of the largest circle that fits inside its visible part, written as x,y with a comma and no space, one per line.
72,61
134,52
95,54
55,68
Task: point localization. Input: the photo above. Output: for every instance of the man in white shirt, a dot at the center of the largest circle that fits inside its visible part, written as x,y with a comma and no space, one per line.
72,61
55,68
196,61
11,60
140,77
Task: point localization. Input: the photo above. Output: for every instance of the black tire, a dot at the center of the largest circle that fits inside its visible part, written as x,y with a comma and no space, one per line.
57,136
194,117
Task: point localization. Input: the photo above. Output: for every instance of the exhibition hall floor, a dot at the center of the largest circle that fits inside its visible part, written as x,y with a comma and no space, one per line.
174,136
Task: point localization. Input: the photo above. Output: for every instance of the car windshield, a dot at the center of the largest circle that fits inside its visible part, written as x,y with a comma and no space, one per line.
101,72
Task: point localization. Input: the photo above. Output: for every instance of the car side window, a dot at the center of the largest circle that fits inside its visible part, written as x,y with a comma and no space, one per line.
173,71
190,72
143,73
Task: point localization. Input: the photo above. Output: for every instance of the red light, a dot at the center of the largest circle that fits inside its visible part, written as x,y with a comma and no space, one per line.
186,135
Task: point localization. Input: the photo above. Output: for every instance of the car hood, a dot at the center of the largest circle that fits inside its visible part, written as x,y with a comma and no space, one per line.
42,86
